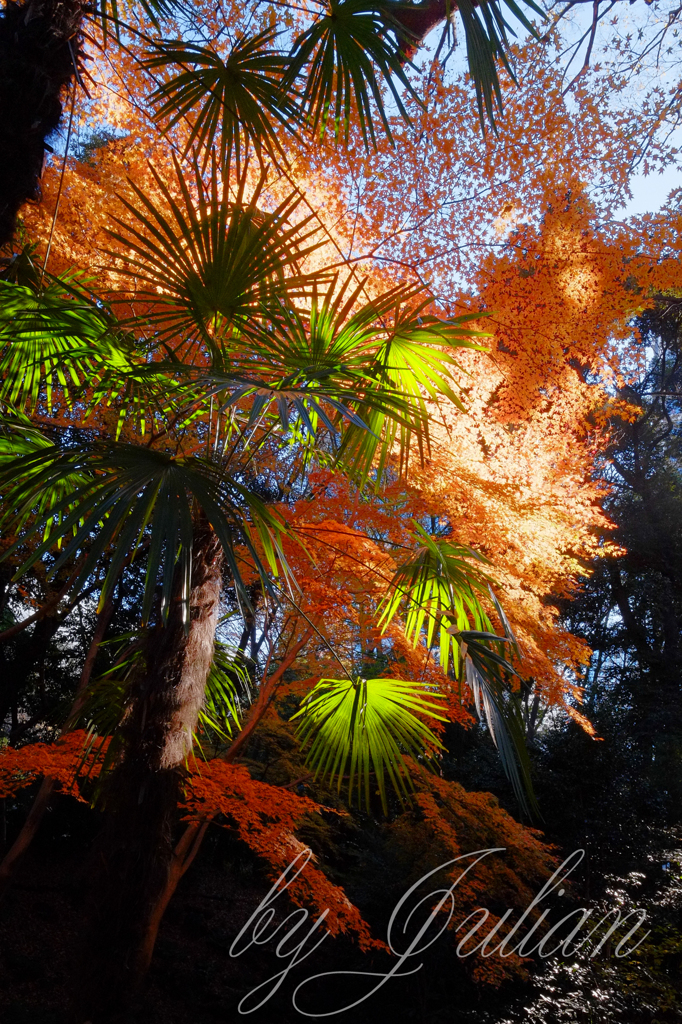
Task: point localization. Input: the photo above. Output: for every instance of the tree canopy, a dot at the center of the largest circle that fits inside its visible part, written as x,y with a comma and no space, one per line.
313,345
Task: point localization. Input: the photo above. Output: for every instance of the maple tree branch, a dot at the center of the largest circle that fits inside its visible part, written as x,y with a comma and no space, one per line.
592,32
187,849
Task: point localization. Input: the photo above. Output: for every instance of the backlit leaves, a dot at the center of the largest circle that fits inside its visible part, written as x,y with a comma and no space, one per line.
341,53
126,491
53,336
209,263
443,595
362,730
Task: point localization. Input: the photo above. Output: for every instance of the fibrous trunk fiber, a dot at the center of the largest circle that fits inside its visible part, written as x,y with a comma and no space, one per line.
134,855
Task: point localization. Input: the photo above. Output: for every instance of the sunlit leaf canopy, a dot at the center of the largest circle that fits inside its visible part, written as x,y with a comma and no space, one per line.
231,337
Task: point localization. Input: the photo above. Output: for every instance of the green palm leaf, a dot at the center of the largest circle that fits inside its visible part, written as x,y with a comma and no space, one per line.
106,14
21,440
413,362
237,101
55,335
436,584
102,708
127,493
340,369
365,728
343,52
313,368
441,594
500,708
18,435
228,690
485,30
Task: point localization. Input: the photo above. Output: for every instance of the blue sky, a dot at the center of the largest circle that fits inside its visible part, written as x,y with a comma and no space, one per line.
650,193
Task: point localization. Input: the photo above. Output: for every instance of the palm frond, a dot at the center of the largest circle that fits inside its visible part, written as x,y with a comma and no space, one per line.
103,706
343,370
364,728
487,41
500,709
56,335
106,14
343,53
18,434
209,265
382,357
439,582
129,492
441,592
19,440
228,689
233,103
486,33
413,363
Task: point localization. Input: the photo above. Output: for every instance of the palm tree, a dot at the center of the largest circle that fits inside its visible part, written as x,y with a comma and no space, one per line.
234,346
233,351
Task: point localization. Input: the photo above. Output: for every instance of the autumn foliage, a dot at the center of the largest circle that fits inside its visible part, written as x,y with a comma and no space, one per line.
502,229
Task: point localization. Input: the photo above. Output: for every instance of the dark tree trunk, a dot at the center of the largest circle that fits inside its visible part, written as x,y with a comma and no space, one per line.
413,22
134,856
40,50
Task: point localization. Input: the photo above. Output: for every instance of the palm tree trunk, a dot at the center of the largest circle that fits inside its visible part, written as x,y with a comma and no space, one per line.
413,22
135,853
40,51
192,838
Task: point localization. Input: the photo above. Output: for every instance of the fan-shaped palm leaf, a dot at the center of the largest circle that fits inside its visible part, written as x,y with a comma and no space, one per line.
436,584
365,728
228,690
441,592
20,439
210,265
106,14
343,52
415,362
230,102
129,490
342,369
485,30
500,709
54,335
